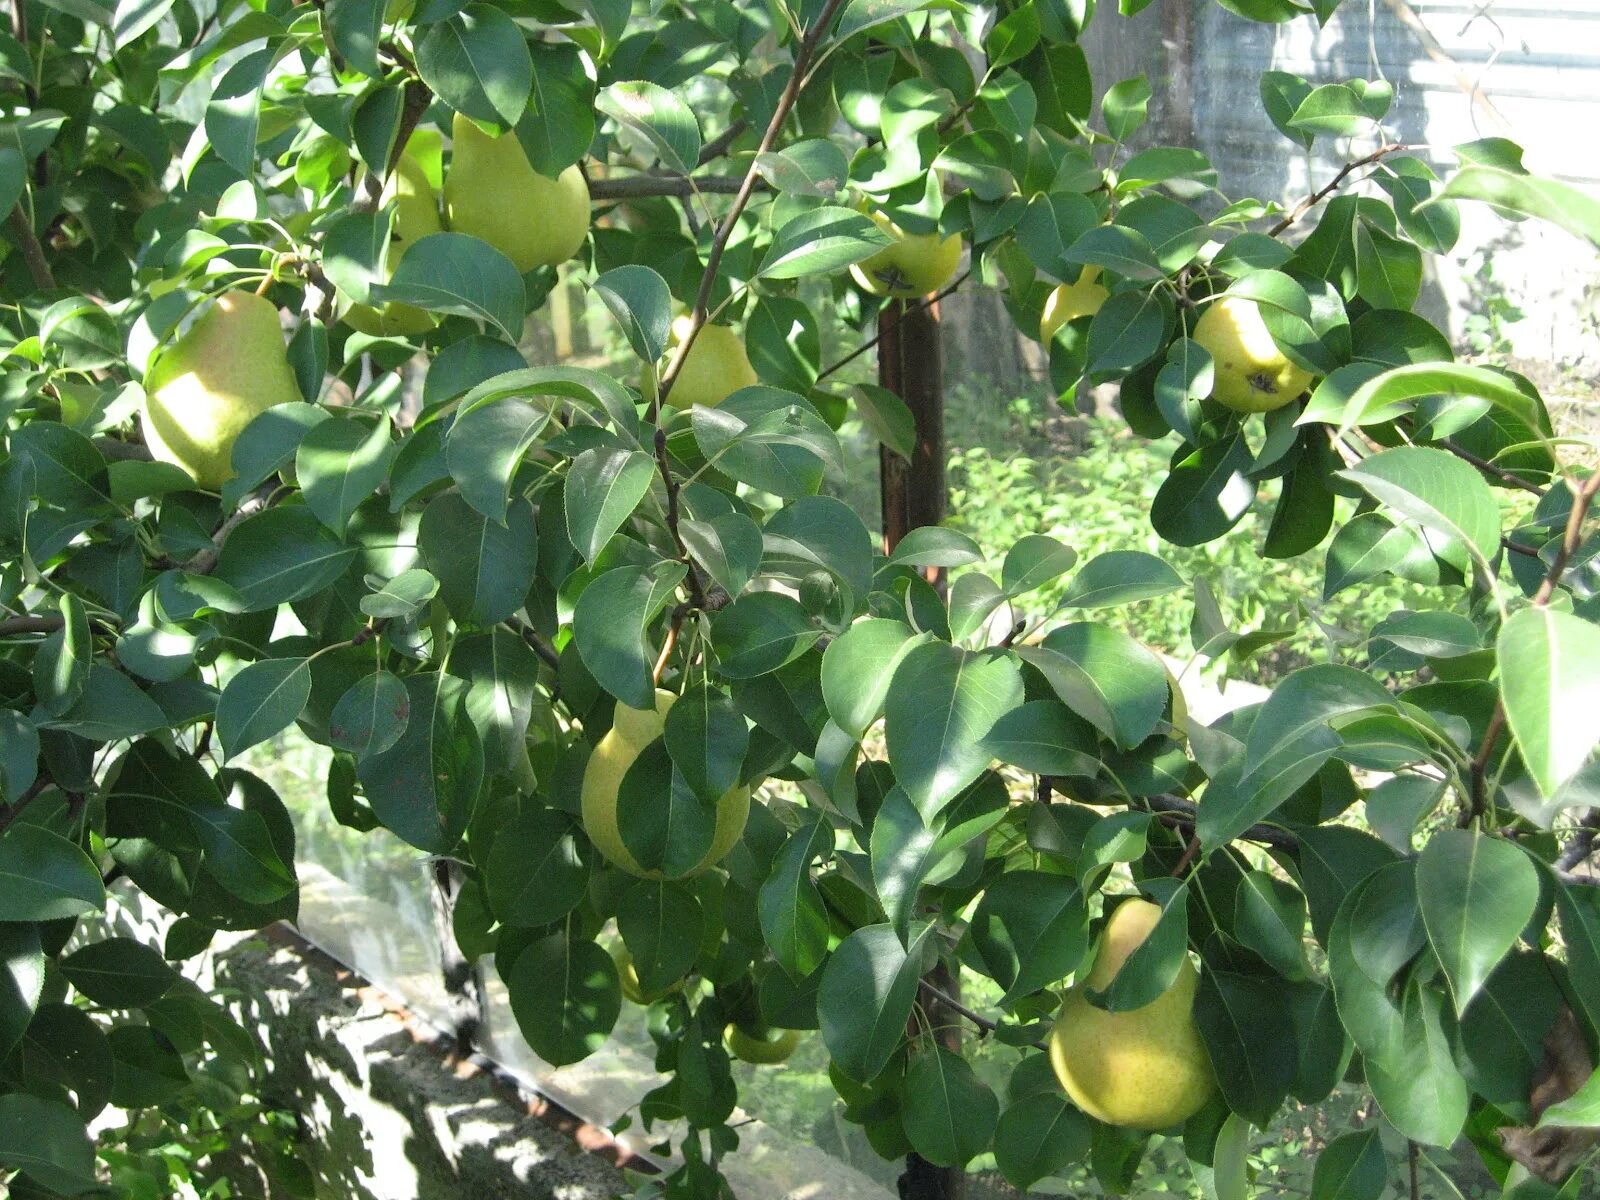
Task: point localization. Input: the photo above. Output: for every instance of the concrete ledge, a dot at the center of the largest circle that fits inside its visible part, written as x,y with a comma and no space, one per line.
386,1113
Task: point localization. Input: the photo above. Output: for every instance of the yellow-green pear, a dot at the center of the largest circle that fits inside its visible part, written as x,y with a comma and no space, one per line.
416,215
763,1046
632,729
717,366
492,192
1069,301
212,382
628,975
1145,1069
915,264
1252,374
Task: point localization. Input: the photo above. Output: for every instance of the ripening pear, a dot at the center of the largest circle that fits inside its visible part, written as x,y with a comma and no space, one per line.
1145,1069
416,215
1069,301
717,366
632,729
1252,374
212,382
762,1045
492,192
915,264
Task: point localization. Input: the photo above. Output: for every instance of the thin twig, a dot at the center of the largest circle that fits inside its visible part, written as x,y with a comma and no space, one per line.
537,644
1582,843
34,789
982,1022
925,302
1187,857
719,145
1488,468
11,626
1333,185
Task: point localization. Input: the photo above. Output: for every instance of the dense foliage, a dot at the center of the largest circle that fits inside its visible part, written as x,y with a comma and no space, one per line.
473,593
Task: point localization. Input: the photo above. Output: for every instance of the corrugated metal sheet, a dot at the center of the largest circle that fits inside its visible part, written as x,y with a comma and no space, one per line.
1515,68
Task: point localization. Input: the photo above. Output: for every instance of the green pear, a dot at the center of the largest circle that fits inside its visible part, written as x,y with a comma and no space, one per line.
914,264
1252,374
717,366
212,382
492,192
632,729
416,215
1144,1069
763,1045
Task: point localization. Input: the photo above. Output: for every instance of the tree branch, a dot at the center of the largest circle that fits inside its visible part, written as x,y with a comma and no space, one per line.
719,241
638,187
20,229
719,145
1333,185
34,789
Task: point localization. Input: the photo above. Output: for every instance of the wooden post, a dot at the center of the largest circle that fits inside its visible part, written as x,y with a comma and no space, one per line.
913,493
911,365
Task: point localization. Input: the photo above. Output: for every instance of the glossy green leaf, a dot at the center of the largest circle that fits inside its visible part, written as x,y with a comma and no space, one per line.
1476,893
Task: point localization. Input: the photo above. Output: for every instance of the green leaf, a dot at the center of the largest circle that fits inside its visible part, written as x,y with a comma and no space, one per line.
232,118
609,624
370,717
402,598
794,920
821,241
119,973
1038,1136
281,555
486,446
760,632
457,273
1127,332
477,62
1030,931
660,117
1332,110
1550,686
941,704
425,786
1034,561
1476,893
1105,677
1438,491
354,27
61,663
948,1113
484,568
19,754
556,130
642,304
1573,209
538,868
886,418
263,699
1250,1039
857,667
112,707
1205,494
604,486
1123,107
339,464
813,167
1046,738
865,998
565,996
706,738
662,925
727,546
769,439
663,825
239,853
936,546
22,969
43,876
48,1142
1155,963
1120,577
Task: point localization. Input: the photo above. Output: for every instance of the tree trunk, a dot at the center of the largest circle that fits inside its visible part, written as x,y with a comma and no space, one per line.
913,493
463,984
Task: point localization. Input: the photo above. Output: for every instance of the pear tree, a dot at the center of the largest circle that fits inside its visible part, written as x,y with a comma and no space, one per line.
689,732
